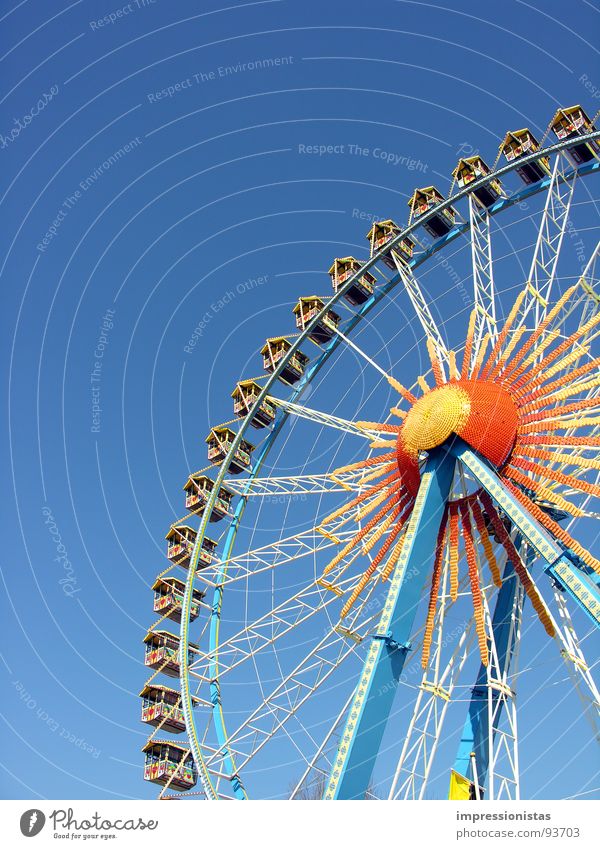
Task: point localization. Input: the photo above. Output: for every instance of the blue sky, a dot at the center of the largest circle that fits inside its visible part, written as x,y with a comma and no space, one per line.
167,169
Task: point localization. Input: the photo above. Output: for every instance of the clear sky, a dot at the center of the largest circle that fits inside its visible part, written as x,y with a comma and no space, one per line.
169,166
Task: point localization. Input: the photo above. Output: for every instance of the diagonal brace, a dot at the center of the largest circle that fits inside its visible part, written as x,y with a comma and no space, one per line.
582,586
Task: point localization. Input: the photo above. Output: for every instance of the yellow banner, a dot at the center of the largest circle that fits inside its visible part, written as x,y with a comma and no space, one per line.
460,787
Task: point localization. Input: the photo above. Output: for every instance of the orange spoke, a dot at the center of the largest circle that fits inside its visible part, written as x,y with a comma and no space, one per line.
584,441
527,346
503,333
556,457
540,415
360,498
518,565
474,581
402,390
554,528
358,537
564,346
435,363
372,567
486,542
453,554
468,345
543,491
554,475
434,591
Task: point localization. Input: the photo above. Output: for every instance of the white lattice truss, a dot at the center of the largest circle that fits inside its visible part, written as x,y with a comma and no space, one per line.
421,308
299,484
554,224
483,274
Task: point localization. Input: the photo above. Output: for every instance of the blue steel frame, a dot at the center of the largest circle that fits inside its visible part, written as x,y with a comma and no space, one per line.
476,731
372,704
186,696
577,581
374,697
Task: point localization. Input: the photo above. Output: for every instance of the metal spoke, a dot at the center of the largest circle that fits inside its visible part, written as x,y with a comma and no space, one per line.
421,307
325,418
361,353
320,754
290,695
549,241
284,550
272,626
483,275
301,484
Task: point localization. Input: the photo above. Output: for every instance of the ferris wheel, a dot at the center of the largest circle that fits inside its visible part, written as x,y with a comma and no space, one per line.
353,588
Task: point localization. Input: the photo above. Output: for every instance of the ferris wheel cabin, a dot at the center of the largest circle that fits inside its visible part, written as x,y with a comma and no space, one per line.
220,440
361,289
244,397
306,309
180,544
275,350
162,652
161,707
197,492
572,122
471,169
422,201
168,599
168,763
521,143
383,232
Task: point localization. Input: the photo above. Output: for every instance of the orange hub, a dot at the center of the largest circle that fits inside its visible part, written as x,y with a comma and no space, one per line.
481,412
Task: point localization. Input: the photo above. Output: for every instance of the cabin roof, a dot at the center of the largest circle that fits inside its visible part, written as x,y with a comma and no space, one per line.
148,688
245,384
306,298
219,429
162,633
566,111
197,478
424,191
342,259
467,161
178,746
169,580
391,225
175,528
516,135
427,189
175,582
271,339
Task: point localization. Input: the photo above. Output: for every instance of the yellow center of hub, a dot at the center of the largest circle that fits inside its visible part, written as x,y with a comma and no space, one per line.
434,417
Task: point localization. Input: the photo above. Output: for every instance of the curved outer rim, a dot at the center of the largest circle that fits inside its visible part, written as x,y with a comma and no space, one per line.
218,717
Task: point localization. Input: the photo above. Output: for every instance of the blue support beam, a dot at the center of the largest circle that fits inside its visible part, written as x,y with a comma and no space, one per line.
580,584
372,703
476,731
